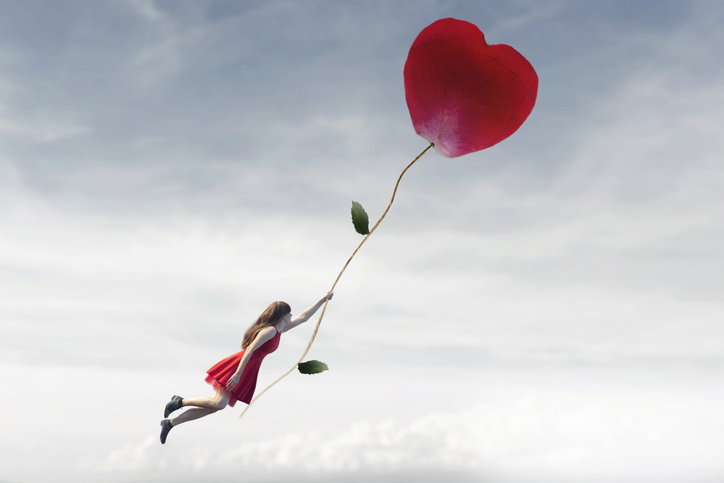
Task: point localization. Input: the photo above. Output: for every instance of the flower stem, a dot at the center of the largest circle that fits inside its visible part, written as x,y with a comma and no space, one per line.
321,316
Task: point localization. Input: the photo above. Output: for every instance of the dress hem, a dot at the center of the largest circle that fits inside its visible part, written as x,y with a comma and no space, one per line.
217,385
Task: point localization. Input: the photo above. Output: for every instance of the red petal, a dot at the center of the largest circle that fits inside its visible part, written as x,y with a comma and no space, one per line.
463,94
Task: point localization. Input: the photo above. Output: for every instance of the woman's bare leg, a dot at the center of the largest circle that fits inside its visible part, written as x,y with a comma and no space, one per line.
219,401
203,407
191,414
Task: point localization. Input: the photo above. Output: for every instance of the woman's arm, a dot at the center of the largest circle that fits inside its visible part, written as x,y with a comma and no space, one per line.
262,337
304,316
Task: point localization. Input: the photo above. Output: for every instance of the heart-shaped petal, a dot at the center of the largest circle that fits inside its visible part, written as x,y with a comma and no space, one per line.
463,94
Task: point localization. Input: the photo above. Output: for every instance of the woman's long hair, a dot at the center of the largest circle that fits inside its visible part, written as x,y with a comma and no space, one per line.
268,318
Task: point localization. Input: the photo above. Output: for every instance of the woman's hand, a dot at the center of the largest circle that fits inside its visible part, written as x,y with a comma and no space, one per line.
304,316
233,381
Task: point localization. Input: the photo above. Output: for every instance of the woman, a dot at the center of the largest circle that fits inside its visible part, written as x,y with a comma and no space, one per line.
234,378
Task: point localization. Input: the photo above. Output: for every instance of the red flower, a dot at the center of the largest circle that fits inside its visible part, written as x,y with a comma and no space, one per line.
463,94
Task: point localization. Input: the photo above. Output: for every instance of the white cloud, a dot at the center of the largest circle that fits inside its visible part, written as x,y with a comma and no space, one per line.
548,433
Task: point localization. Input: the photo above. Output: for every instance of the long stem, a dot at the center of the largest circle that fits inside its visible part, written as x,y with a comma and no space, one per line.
321,316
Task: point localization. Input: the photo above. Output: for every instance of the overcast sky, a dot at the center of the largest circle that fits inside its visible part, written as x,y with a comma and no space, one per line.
549,309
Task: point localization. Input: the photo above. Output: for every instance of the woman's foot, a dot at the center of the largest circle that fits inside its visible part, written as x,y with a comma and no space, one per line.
165,428
175,403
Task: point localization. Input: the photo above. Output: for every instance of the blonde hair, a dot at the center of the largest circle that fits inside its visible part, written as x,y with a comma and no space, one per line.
268,318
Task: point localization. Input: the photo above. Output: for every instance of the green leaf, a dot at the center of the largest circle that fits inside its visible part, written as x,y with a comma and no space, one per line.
312,367
359,219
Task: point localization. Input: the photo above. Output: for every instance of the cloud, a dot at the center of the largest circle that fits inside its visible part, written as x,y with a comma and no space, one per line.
545,434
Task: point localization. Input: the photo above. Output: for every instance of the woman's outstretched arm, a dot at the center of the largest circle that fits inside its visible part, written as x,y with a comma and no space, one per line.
304,316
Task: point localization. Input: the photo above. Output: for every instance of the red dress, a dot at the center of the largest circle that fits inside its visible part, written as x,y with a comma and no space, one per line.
222,371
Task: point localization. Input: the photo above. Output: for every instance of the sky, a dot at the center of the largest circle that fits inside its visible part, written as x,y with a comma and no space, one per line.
546,310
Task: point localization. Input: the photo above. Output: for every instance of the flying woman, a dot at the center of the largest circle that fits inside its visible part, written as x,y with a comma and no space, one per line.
234,378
